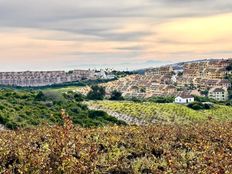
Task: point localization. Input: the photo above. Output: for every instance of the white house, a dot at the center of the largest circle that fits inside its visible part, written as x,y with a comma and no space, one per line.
174,78
184,98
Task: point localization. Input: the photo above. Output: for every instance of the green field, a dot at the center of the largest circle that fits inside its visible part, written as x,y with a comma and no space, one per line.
165,112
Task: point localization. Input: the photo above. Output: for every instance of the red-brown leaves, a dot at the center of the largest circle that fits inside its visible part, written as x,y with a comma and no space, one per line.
196,148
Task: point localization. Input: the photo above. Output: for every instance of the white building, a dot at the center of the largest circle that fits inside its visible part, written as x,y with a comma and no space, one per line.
174,78
219,94
184,99
103,75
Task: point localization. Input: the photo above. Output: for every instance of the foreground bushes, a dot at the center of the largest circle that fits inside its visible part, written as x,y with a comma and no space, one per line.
200,148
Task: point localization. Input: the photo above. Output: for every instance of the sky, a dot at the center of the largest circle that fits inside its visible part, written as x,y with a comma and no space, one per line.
119,34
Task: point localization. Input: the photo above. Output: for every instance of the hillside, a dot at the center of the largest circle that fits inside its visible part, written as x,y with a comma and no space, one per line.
199,148
178,65
153,112
32,108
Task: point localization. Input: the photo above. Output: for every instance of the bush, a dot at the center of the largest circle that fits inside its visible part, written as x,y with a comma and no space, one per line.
136,100
11,125
161,148
2,107
40,96
96,93
79,97
200,106
3,120
116,95
49,96
229,68
160,99
202,99
95,114
40,107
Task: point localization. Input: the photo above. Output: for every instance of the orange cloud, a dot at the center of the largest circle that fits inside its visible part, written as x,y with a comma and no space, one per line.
198,36
174,39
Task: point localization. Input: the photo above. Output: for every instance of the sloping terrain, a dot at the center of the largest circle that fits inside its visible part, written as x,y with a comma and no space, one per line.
19,109
153,112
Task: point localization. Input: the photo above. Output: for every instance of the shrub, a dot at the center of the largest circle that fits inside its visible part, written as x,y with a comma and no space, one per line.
49,96
96,93
96,114
200,106
163,148
116,95
2,107
3,120
36,108
79,97
11,125
159,99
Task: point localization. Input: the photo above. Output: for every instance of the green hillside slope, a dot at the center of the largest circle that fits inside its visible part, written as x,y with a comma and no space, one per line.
30,108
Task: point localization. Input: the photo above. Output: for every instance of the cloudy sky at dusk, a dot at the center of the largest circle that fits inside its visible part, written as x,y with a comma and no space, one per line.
72,34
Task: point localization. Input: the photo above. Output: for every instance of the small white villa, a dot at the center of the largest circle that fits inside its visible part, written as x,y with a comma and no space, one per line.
184,99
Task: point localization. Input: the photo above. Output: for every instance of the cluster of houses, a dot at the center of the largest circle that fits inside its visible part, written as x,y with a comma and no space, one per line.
166,81
204,75
141,86
191,79
45,78
216,93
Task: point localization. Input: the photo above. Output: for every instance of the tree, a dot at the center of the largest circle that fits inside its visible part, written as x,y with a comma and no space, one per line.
143,90
96,93
49,96
79,97
229,68
162,99
205,92
70,95
40,96
179,74
230,93
116,95
200,106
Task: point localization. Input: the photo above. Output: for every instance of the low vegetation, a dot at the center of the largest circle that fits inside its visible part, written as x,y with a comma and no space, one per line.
96,93
199,148
31,108
161,99
116,95
200,105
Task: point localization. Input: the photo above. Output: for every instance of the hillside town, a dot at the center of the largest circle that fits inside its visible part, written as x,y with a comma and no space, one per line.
204,78
192,79
45,78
